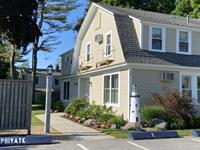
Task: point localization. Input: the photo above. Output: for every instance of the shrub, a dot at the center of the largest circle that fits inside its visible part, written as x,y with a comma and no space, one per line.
176,106
82,113
152,111
94,111
75,105
118,120
196,122
58,105
177,123
105,117
41,100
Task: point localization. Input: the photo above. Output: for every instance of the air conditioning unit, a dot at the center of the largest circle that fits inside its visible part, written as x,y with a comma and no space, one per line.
167,76
99,38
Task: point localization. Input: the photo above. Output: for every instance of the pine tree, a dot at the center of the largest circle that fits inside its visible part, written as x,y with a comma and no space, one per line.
51,17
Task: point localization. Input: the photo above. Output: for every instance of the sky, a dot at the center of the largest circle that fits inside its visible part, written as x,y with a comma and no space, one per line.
67,40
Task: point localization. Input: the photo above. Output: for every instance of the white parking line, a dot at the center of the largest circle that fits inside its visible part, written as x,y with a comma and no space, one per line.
81,146
139,146
196,140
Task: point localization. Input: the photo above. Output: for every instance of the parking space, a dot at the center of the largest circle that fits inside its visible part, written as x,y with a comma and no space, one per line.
188,143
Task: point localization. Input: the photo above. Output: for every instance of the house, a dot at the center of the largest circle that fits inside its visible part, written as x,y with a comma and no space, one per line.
40,82
118,47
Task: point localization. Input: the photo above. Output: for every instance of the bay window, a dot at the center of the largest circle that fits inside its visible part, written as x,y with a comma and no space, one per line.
111,89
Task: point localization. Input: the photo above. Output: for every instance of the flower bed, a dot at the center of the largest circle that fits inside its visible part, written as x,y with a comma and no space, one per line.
92,115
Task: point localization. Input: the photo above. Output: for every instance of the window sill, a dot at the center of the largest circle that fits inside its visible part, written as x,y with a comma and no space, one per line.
184,53
112,105
157,50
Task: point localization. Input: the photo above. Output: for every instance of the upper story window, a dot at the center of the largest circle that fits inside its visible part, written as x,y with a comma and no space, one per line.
183,42
88,52
108,42
157,39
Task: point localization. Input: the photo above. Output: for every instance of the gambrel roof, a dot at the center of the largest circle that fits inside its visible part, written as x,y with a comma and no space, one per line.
130,46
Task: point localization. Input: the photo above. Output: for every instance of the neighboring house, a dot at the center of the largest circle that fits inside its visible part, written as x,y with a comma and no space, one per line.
40,81
118,47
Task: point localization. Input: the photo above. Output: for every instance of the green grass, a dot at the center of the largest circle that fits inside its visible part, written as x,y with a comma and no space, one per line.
185,132
124,133
36,110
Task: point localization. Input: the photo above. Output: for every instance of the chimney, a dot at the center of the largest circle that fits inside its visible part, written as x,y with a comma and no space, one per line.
57,68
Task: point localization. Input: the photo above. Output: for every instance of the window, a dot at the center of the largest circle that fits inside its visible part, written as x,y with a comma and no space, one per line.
111,89
66,90
157,35
183,42
108,42
186,85
88,52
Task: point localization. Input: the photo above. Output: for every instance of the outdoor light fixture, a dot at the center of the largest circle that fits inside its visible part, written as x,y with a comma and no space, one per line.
50,70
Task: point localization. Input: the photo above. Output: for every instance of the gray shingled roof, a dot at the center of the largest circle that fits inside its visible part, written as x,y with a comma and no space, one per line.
130,46
148,16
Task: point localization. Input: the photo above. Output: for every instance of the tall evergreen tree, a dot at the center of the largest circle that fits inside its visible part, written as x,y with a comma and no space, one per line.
51,17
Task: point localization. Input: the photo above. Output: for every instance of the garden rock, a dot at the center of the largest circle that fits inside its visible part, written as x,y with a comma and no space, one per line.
131,126
156,121
89,122
161,126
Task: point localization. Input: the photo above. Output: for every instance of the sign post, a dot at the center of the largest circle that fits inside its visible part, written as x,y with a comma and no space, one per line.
48,99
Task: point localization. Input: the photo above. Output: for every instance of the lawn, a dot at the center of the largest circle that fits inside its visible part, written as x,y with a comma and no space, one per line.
36,110
124,133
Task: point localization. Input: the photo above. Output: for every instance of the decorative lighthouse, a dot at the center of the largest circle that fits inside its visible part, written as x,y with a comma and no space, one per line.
135,105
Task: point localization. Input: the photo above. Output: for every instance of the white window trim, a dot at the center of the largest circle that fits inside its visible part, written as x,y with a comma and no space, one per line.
105,45
163,39
193,85
189,42
110,104
88,43
63,90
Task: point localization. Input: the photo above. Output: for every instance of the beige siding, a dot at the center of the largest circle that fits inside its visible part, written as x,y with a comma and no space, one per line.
97,92
146,37
196,43
138,31
101,24
148,81
170,40
96,88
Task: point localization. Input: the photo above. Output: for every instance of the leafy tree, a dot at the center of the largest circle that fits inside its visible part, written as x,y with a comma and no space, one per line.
162,6
16,23
6,53
187,7
51,17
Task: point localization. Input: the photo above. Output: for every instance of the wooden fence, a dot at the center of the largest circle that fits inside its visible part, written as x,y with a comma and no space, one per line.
15,105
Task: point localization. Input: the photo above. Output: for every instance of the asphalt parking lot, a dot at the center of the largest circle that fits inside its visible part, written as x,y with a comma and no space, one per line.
187,143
